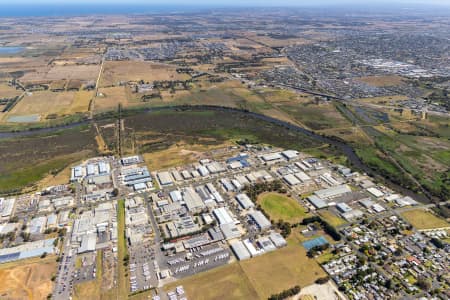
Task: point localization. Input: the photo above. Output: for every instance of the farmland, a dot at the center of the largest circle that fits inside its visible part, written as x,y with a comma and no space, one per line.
30,279
422,219
116,71
45,103
84,73
279,206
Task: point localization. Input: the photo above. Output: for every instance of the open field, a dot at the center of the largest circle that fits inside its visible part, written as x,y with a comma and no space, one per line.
279,206
80,102
178,154
280,270
27,279
7,91
110,98
117,71
220,125
380,81
223,283
44,103
316,116
30,159
256,278
84,73
331,218
422,219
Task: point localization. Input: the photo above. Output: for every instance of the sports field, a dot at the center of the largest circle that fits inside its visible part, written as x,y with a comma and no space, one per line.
279,206
422,219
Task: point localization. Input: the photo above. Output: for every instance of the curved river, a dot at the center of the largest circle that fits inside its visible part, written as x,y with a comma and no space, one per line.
344,148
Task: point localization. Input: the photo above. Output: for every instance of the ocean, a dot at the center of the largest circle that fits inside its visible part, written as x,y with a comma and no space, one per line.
57,10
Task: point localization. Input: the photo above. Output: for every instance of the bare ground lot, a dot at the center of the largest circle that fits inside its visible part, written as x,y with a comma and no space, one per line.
29,279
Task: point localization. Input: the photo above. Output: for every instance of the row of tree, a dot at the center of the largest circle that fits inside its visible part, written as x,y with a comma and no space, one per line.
286,294
329,229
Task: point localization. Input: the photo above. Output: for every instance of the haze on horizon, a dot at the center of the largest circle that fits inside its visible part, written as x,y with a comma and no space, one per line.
227,2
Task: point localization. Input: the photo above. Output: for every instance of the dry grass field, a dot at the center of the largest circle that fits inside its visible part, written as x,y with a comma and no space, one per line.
331,218
110,98
8,92
280,270
256,278
117,71
178,154
28,279
80,102
80,72
223,283
45,103
422,219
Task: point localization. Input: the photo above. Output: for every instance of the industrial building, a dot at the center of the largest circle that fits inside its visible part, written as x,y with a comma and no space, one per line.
271,157
333,191
343,207
240,250
260,220
291,179
223,216
317,202
277,239
244,201
192,200
28,250
6,207
165,178
290,154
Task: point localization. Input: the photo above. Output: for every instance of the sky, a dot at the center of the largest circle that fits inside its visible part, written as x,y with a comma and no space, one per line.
226,2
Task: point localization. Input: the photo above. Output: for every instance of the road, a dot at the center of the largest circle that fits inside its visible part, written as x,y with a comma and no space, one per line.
64,278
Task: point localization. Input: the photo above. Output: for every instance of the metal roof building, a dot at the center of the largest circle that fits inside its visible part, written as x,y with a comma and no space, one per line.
291,179
333,191
240,250
343,207
266,244
88,243
223,216
245,201
192,200
317,202
277,239
290,154
261,221
165,178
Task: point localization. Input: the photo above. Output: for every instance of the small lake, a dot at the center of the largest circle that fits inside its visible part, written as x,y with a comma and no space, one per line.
11,50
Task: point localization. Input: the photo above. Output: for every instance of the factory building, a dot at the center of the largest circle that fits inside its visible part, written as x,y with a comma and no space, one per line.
240,250
261,221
